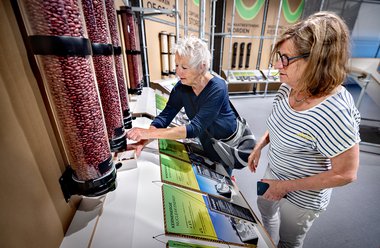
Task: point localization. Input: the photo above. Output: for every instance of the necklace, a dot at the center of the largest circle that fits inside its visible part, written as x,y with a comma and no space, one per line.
301,100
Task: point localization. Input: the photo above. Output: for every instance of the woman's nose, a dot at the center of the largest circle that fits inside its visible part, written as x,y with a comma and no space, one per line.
278,64
178,71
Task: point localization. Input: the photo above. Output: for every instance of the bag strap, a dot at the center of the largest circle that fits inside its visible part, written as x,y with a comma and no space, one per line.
233,108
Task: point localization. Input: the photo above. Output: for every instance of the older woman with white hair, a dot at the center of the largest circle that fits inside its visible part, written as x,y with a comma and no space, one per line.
203,96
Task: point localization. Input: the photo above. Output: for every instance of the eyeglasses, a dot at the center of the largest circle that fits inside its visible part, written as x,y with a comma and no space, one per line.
285,60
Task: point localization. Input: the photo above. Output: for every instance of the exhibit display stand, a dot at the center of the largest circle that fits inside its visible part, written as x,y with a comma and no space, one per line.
170,194
133,214
167,197
262,81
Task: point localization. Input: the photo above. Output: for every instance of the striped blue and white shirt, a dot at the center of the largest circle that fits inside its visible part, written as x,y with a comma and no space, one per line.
302,142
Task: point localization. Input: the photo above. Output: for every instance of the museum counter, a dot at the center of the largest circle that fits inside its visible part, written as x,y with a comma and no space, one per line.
133,214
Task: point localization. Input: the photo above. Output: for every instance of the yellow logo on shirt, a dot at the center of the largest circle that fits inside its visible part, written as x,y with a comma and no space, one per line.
305,136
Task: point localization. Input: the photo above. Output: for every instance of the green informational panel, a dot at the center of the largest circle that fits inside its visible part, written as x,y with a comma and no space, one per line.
177,244
178,169
197,205
173,148
186,213
194,215
161,102
178,172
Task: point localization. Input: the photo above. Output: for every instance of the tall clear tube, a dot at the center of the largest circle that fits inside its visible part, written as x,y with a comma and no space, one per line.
171,53
164,48
98,32
59,40
132,46
119,64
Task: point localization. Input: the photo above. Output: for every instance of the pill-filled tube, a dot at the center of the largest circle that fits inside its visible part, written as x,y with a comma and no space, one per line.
132,47
102,49
59,40
171,42
119,63
164,48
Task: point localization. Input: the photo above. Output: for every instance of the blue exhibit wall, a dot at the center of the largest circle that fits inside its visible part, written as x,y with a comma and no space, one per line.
365,35
365,48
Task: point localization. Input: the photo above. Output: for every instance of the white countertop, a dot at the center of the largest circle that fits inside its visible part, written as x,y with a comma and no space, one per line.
132,214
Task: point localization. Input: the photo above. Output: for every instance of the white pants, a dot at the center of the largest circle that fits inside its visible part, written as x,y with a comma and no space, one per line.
286,223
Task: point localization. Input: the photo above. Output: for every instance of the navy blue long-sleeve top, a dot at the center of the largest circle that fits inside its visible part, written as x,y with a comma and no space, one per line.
210,109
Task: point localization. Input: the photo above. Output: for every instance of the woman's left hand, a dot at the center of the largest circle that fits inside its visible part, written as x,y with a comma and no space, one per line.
137,134
138,147
276,190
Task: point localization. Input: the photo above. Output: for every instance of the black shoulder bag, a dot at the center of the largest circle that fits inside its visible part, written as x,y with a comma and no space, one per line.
234,150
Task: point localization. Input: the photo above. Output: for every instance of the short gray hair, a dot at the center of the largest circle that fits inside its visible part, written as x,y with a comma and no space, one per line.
195,49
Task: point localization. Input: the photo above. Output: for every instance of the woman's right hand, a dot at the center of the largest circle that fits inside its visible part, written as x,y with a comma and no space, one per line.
253,159
137,134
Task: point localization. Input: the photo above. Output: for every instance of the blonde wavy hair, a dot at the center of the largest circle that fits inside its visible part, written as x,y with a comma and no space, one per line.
325,36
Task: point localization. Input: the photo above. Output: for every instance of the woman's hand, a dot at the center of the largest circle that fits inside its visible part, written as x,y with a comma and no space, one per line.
253,159
138,134
276,191
138,146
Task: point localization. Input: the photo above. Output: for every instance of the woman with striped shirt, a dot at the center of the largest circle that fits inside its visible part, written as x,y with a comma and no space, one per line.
313,129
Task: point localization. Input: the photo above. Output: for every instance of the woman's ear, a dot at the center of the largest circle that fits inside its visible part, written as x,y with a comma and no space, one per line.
202,68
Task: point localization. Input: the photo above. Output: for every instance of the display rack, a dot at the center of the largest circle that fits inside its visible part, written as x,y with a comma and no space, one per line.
164,85
210,35
143,105
145,13
365,72
231,79
256,78
149,13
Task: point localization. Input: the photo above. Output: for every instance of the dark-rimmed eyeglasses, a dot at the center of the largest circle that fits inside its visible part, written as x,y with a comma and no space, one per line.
285,60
